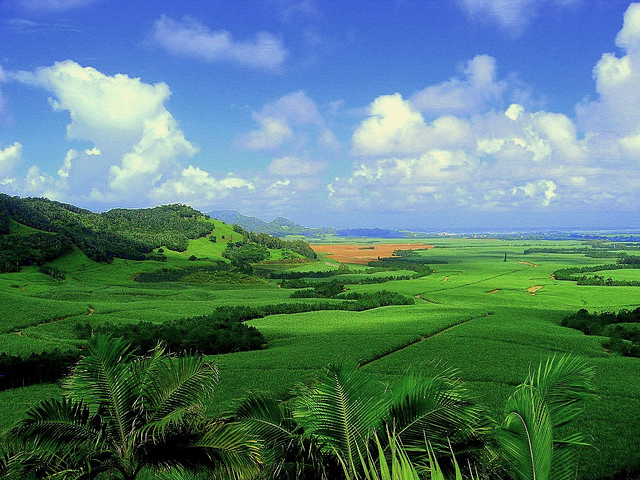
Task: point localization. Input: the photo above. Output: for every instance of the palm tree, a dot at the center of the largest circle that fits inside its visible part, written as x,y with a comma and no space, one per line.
528,438
124,414
331,421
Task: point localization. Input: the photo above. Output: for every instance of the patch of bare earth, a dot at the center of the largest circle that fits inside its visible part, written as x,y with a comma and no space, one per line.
534,289
363,254
445,278
494,291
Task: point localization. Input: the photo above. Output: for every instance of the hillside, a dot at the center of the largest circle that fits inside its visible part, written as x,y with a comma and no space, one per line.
34,231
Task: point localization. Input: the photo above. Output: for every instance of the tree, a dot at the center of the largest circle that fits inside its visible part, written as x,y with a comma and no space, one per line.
331,421
122,414
528,438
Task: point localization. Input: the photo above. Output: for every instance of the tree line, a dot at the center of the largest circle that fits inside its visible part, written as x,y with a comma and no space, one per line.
622,328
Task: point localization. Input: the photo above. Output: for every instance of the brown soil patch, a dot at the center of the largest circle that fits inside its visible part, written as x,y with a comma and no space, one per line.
445,278
527,263
494,291
359,255
91,310
534,289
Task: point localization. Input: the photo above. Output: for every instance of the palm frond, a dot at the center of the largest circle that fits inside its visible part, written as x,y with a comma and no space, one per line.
106,378
231,449
341,409
563,383
185,381
526,435
438,410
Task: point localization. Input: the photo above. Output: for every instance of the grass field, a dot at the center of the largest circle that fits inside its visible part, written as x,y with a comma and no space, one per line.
477,313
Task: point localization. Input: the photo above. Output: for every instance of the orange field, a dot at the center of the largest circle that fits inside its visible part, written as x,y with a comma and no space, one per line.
362,254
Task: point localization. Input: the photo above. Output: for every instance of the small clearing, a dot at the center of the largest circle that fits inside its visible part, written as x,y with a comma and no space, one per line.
534,289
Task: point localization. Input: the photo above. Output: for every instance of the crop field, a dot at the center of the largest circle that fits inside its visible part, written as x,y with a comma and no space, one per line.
490,311
364,253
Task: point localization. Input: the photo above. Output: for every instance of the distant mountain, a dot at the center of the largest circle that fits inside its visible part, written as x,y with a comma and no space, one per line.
277,227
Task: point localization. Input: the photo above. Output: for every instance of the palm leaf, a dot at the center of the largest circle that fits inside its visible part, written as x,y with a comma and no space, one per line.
231,449
563,383
526,435
438,410
341,409
106,378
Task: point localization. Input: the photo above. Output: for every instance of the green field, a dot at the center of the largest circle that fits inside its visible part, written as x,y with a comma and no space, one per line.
491,319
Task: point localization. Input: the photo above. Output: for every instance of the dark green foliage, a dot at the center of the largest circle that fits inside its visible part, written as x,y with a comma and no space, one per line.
36,248
18,371
178,274
208,335
622,328
417,263
129,234
245,252
53,272
321,290
573,274
299,246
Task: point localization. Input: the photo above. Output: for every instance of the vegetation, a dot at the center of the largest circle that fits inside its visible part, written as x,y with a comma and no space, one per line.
489,317
622,328
123,416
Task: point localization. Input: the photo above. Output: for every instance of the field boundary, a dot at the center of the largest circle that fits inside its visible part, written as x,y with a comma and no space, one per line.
420,340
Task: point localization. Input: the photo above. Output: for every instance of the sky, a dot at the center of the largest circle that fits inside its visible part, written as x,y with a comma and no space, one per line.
413,114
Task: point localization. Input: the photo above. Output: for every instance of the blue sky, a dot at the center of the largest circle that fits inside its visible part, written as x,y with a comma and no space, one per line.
417,114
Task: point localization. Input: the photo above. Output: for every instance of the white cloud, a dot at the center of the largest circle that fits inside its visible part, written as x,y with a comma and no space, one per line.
296,167
10,157
273,132
276,120
395,127
472,93
136,141
197,187
192,38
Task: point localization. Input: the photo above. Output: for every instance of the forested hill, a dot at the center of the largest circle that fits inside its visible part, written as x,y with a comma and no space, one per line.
36,230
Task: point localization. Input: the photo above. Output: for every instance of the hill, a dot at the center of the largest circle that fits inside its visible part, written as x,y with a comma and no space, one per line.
34,231
277,227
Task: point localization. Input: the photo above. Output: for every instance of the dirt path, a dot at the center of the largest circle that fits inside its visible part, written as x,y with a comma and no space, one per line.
445,278
494,291
534,289
527,263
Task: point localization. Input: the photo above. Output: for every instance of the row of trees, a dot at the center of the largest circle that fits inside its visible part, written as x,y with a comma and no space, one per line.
124,416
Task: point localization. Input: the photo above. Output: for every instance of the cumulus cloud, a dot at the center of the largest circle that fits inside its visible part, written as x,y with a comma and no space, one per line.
10,157
277,120
485,161
394,126
192,38
512,15
477,88
198,187
136,140
617,109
